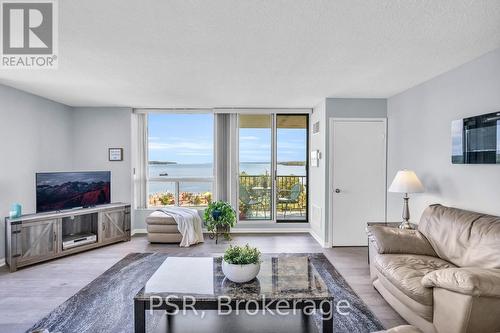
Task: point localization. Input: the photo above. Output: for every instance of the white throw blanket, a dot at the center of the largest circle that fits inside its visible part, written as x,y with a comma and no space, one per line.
188,222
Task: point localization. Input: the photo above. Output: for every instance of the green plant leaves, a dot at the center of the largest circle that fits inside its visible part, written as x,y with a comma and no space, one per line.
242,255
226,216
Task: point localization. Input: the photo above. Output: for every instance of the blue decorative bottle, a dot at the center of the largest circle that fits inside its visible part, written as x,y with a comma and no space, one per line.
15,210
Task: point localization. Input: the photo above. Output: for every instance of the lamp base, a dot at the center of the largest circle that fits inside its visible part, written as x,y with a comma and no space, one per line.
405,225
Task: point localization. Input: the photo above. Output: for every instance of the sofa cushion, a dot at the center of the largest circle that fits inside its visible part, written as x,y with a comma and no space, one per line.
405,272
159,217
411,310
399,241
464,238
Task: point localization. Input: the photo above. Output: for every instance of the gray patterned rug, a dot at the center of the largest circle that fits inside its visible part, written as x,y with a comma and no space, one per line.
106,304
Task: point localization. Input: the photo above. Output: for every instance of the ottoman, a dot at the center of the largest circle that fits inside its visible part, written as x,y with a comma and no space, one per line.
162,228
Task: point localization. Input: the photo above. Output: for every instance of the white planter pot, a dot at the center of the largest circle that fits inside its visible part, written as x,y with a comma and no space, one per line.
240,273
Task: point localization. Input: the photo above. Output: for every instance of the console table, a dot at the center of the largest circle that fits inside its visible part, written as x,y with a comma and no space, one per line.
34,238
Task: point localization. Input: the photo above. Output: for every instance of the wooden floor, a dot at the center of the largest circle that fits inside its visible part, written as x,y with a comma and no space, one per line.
29,294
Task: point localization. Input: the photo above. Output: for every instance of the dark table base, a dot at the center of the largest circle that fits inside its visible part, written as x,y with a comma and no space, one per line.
241,323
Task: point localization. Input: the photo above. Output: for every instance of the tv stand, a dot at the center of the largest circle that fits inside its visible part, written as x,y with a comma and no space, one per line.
34,238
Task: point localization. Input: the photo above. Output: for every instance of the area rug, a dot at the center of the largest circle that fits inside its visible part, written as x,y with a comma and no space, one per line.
106,304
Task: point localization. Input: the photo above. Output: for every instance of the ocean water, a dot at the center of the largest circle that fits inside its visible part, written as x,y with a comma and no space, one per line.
206,170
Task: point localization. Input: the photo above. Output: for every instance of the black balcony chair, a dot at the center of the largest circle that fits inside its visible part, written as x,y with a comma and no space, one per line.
292,198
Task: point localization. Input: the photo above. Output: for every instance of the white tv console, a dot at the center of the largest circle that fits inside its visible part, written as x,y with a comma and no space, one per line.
34,238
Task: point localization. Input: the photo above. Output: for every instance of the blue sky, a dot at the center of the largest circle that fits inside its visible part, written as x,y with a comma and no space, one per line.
188,139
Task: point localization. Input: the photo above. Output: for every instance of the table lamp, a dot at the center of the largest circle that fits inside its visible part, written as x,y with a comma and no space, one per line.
406,181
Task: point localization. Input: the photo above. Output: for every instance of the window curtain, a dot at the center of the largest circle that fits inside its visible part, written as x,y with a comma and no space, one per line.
226,158
140,161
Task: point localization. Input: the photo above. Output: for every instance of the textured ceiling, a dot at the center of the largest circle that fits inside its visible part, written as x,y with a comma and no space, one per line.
288,53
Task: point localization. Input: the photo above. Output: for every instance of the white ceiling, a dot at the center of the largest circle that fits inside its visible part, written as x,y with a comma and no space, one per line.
205,53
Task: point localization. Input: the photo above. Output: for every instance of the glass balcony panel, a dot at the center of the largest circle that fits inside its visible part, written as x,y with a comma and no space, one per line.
161,194
255,189
195,194
291,180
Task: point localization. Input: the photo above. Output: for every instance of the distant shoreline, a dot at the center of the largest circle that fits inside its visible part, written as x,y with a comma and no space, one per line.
161,162
293,163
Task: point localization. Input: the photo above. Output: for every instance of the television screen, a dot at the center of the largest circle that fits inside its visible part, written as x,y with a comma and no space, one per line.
65,190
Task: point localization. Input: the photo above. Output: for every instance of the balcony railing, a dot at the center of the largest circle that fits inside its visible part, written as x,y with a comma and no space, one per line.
255,203
256,192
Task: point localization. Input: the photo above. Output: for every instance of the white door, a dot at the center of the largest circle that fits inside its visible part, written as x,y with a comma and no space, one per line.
358,178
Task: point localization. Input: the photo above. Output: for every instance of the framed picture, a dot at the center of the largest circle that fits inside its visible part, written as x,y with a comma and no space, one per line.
115,154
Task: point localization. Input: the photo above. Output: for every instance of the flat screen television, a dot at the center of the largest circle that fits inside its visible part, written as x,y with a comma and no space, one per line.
66,190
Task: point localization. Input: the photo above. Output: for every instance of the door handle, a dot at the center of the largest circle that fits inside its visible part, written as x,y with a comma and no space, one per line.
337,190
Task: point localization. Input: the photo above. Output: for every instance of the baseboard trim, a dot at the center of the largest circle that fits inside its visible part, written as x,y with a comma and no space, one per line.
268,230
2,262
139,231
318,239
249,231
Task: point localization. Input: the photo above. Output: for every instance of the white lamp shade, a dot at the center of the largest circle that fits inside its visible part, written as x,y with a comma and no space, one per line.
406,181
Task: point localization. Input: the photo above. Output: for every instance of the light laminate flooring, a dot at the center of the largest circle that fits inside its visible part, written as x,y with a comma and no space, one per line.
29,294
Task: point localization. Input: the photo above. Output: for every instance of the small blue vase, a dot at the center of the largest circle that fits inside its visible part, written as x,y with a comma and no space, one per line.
216,214
15,211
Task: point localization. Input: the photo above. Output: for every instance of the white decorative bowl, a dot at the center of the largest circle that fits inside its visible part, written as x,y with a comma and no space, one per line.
240,273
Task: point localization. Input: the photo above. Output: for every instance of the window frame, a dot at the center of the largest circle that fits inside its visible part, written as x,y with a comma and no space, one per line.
142,179
177,180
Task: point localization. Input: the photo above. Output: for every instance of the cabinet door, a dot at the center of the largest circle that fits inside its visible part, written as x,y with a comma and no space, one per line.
37,240
113,225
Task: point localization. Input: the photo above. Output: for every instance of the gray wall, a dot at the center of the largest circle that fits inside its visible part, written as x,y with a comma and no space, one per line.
356,108
36,136
419,138
41,135
346,108
94,131
319,177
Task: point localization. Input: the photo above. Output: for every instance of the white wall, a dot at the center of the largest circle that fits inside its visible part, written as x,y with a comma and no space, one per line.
419,138
317,175
94,131
35,137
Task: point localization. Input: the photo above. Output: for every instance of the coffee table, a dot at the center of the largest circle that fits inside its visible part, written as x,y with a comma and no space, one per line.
285,283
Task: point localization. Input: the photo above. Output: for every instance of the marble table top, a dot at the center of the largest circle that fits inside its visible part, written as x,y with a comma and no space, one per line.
280,277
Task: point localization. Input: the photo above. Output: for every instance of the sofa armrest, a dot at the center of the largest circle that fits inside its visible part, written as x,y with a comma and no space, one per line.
468,281
399,241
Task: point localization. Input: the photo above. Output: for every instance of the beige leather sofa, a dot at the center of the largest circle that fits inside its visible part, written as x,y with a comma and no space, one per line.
443,277
402,329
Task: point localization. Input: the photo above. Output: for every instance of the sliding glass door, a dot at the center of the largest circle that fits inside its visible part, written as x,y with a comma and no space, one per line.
255,156
273,167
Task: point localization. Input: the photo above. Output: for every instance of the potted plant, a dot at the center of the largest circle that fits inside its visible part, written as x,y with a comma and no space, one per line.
241,263
219,218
